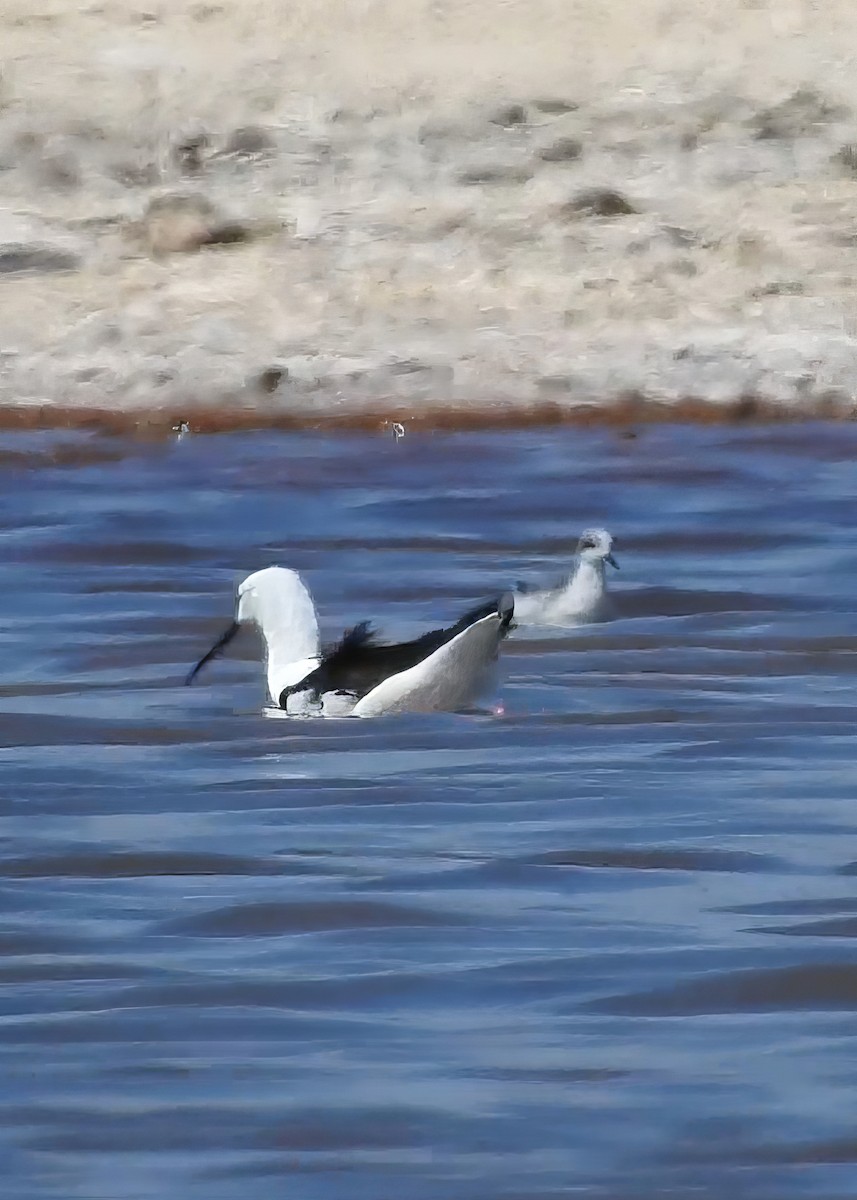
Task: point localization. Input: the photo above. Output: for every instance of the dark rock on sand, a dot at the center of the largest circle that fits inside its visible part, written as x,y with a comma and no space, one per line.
134,173
564,149
777,287
493,173
509,115
270,379
799,115
555,107
206,12
19,259
554,385
597,202
182,222
250,140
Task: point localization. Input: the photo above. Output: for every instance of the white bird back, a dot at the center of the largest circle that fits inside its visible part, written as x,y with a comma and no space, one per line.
450,678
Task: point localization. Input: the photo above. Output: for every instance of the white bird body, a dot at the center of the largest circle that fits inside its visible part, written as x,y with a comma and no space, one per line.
581,598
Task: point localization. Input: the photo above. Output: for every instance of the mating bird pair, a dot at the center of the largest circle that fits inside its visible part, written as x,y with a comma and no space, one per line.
443,670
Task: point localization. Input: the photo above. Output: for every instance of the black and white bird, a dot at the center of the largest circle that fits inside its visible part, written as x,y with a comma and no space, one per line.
443,670
577,599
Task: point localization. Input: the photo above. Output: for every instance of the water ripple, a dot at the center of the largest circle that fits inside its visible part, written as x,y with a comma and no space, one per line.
600,943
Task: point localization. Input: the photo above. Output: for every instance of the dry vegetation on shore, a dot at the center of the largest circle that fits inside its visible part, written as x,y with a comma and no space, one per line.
368,207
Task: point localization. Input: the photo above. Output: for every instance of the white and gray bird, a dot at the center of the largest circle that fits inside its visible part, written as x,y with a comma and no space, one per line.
577,599
443,670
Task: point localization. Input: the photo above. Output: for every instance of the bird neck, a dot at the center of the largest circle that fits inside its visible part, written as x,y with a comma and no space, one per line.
290,634
288,659
587,584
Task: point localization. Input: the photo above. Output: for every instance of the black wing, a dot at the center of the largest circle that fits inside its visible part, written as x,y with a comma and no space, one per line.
358,663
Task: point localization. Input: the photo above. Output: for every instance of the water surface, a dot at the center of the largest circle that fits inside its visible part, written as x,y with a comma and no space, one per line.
603,943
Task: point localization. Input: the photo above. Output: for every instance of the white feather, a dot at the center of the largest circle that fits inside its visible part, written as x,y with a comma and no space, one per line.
450,678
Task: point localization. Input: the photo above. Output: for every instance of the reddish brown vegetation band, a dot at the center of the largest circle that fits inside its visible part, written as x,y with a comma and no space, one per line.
624,414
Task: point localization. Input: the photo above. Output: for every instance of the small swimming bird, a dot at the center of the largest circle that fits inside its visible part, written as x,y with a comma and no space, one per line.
579,598
442,670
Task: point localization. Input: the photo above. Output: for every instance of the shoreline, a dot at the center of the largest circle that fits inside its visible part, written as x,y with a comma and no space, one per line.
625,416
272,215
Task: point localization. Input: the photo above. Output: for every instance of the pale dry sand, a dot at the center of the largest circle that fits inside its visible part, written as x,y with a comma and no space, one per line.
397,187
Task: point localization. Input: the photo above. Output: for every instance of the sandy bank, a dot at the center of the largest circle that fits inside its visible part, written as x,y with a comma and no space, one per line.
347,212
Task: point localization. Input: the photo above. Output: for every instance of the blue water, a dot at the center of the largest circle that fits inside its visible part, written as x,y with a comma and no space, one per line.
602,944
